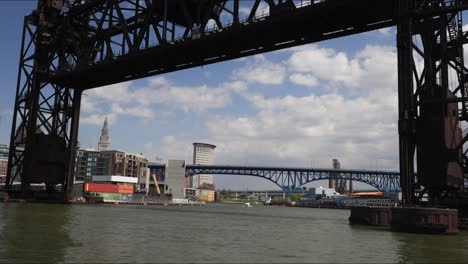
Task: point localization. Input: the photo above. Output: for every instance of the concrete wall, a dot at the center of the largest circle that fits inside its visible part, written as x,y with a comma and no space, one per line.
175,178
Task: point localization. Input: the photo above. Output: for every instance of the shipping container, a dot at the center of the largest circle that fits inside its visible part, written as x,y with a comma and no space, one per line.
101,187
125,188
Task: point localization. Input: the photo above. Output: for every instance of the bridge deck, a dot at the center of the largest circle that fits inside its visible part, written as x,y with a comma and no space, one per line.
311,23
277,168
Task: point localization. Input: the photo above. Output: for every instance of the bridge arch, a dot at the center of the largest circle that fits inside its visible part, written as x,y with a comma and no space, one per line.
290,179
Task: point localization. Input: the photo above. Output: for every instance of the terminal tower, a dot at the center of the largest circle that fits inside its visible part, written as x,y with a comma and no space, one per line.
104,143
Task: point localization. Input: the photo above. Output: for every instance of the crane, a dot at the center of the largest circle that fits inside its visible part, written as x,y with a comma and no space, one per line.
156,183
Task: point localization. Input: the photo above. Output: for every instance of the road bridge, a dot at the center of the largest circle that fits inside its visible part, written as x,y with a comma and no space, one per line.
291,179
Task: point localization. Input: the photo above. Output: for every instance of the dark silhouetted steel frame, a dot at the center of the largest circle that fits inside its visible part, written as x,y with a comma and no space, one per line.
91,43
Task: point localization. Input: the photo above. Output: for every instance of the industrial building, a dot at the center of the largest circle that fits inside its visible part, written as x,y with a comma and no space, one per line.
170,179
325,192
203,154
3,162
175,178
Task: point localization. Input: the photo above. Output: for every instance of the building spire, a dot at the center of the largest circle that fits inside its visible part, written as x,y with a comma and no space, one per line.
104,143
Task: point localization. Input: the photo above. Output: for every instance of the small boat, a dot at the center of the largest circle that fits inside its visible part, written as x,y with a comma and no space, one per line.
267,201
247,205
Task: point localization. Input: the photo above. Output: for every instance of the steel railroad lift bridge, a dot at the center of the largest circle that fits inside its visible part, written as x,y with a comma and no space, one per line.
69,46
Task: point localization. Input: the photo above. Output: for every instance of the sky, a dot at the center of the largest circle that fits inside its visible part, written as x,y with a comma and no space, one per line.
302,106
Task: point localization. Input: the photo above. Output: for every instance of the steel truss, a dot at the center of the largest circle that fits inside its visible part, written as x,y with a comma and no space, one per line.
290,179
432,82
131,39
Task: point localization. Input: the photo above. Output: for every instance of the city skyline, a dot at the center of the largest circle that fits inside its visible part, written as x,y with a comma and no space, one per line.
297,107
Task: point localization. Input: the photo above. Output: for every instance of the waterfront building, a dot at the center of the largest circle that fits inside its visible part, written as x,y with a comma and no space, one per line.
4,150
113,166
91,163
203,154
85,164
206,192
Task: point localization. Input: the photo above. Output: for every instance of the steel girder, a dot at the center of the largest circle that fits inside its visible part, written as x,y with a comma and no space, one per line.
131,39
290,179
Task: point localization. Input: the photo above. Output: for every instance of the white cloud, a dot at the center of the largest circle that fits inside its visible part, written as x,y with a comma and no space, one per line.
326,64
139,100
187,98
292,130
303,79
260,70
288,130
98,119
138,111
244,11
263,9
198,99
386,31
119,92
169,140
173,148
89,104
149,151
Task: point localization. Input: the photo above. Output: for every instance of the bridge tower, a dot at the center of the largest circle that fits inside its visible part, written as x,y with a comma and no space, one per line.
432,95
339,184
45,120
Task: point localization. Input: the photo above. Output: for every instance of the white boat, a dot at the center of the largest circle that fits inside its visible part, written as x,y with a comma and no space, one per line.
247,205
267,201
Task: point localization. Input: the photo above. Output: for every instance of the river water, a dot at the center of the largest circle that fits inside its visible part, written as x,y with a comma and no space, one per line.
213,233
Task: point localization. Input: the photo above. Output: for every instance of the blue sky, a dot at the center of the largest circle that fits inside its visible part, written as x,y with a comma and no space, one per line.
298,107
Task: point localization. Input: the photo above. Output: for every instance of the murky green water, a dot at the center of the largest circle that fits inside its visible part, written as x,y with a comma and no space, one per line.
213,233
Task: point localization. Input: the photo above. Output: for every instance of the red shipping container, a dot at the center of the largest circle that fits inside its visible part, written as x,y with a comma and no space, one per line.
101,187
125,188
